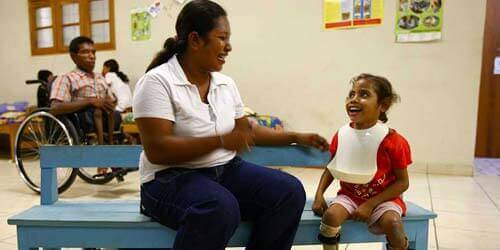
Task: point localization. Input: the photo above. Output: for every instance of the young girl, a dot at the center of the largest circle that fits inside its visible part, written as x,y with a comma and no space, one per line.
378,202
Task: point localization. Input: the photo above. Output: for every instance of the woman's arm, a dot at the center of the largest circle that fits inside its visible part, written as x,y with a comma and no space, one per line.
162,147
267,136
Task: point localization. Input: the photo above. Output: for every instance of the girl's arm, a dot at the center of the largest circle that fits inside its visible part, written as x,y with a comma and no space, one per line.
394,190
319,204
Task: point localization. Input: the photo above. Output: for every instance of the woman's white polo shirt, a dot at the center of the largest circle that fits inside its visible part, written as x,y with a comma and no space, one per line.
164,92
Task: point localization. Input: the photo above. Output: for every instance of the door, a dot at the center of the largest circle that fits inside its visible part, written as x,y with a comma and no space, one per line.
488,121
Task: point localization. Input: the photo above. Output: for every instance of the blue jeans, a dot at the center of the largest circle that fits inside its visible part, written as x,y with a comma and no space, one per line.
205,206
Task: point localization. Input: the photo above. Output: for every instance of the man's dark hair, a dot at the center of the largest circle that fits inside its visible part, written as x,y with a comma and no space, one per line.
74,45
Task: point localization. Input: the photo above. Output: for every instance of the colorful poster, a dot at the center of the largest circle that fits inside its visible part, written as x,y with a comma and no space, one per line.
141,24
155,8
341,14
419,20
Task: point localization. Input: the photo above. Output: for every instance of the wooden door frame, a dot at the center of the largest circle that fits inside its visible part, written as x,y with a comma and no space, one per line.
485,116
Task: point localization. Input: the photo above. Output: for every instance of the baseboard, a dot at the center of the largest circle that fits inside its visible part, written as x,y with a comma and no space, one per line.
442,168
429,168
420,168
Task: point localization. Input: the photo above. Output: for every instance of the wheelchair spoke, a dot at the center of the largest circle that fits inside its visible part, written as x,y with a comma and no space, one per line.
30,129
52,130
30,153
42,134
28,137
62,139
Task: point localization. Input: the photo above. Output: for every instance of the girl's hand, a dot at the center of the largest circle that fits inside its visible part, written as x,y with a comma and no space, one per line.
319,205
363,212
312,140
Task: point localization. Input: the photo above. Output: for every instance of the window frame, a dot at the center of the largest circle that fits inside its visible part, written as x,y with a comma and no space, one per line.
85,25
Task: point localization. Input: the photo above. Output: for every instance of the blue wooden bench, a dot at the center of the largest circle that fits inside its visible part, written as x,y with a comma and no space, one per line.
118,223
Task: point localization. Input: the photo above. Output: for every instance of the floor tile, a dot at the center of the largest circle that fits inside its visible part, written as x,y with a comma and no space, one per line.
469,222
450,238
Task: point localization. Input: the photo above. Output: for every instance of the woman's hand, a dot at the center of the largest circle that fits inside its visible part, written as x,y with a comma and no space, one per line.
319,205
237,140
363,212
312,140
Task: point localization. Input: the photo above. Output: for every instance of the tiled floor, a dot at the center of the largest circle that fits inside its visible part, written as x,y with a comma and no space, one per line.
468,207
487,166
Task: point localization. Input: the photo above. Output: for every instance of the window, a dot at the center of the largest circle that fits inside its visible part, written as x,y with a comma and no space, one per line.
54,23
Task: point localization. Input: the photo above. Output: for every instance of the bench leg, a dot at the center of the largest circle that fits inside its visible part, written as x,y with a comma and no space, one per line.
24,247
422,239
22,244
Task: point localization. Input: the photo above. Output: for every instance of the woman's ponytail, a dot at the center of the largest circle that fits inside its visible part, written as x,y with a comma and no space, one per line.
170,48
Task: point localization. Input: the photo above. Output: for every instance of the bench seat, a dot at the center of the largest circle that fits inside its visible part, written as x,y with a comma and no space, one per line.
118,223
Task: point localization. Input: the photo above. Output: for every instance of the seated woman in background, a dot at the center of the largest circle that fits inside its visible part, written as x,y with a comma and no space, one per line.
118,82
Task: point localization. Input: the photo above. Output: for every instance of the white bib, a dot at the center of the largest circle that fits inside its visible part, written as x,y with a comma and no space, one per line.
356,157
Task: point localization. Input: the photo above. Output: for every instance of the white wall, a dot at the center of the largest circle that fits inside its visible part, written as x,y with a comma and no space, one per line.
286,65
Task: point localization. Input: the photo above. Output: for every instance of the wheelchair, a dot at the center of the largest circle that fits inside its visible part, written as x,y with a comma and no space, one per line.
41,127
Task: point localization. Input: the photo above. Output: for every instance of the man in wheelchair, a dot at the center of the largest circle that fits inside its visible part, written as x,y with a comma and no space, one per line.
85,93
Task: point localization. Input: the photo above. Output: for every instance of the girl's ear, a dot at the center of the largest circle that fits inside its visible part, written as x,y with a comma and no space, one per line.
385,105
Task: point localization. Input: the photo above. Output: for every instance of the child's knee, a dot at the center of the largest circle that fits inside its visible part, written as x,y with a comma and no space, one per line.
333,216
391,223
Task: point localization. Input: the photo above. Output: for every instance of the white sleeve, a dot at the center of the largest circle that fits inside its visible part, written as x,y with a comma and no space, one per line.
238,103
152,99
109,78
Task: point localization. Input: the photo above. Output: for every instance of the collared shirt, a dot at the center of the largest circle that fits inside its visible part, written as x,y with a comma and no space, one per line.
164,92
78,85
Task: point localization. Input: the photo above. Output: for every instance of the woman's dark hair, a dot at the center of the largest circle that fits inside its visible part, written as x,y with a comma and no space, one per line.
113,66
43,75
197,16
383,88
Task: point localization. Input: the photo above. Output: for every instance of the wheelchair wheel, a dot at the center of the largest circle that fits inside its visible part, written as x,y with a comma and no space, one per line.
41,128
89,176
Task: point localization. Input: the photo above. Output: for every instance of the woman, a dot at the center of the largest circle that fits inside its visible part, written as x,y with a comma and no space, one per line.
191,121
118,82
